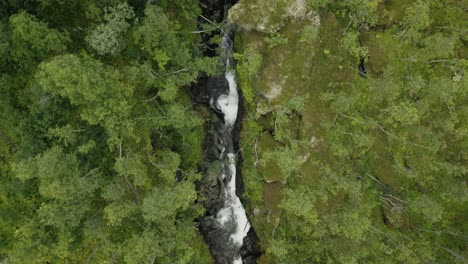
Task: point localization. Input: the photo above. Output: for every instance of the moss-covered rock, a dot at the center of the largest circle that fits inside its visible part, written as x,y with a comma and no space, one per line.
269,169
268,16
265,16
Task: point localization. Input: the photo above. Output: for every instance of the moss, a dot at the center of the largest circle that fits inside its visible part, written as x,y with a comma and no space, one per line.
267,121
265,16
270,169
249,61
253,182
244,82
380,47
327,69
269,217
391,11
316,66
286,70
272,195
298,68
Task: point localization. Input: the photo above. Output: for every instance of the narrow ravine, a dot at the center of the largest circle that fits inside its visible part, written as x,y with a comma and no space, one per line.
232,213
225,226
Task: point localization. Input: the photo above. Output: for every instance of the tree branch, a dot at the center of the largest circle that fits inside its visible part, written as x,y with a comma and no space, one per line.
394,136
152,98
152,162
433,61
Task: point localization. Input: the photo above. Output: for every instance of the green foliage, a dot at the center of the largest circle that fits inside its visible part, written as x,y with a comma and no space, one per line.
100,155
144,248
116,212
279,248
107,38
33,40
417,19
430,211
403,114
95,88
394,122
168,166
360,13
254,183
350,42
162,247
300,203
79,181
134,168
284,114
382,180
159,42
4,44
163,204
309,34
317,4
65,135
62,183
276,39
190,146
252,59
249,63
288,158
176,116
178,62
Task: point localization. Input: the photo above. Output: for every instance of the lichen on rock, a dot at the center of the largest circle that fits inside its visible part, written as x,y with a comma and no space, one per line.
267,16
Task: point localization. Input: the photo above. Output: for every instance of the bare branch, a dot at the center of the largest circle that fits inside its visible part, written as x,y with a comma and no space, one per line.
120,149
376,180
152,162
181,70
454,254
256,152
90,172
198,31
152,98
396,198
396,137
433,61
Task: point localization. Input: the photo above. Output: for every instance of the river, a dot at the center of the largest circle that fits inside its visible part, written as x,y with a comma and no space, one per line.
225,226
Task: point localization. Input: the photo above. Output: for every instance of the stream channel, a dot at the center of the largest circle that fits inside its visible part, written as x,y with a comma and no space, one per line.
225,225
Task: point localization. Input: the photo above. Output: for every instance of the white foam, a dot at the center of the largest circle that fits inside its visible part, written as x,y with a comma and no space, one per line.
237,260
222,102
233,209
228,104
224,215
222,152
242,224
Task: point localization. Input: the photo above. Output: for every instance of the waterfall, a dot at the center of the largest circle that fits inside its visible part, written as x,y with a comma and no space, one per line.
224,225
232,212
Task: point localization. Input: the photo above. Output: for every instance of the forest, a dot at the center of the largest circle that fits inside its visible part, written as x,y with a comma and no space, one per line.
350,140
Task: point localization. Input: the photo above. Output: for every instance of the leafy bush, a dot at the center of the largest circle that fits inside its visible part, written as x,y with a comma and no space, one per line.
276,39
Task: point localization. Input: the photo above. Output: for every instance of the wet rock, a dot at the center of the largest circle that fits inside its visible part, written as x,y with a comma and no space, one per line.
220,140
362,69
198,91
217,86
251,249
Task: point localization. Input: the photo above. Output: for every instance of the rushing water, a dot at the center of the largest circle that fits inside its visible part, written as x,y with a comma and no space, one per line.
224,226
231,215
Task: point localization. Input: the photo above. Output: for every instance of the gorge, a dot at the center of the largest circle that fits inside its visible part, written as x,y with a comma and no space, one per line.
225,226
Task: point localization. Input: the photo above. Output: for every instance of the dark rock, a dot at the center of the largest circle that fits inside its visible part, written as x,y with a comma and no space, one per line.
251,249
219,137
362,69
